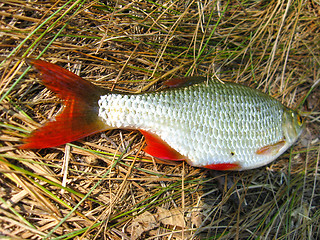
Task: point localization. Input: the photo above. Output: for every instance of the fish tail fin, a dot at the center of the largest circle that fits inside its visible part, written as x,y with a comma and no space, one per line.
79,117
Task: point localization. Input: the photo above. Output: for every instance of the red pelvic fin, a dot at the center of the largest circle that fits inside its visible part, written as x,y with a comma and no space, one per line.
184,81
159,148
80,115
224,166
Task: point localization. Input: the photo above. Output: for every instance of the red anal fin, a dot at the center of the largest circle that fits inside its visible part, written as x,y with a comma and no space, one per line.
272,149
184,81
224,166
80,115
159,148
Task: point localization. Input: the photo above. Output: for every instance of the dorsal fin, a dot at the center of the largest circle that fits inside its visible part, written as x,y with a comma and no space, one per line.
184,81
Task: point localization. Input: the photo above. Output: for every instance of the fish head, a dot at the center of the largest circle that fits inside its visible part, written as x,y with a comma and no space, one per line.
292,125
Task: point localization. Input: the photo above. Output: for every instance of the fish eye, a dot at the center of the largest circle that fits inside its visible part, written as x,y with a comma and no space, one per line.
299,119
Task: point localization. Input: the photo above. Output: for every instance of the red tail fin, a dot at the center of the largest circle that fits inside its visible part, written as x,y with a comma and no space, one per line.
80,115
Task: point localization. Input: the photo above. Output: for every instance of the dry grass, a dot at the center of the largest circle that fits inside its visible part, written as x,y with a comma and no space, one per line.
104,187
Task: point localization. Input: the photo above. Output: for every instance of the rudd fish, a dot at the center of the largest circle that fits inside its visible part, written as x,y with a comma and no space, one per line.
222,126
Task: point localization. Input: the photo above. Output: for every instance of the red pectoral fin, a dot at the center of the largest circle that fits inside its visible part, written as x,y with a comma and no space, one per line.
159,148
224,166
272,149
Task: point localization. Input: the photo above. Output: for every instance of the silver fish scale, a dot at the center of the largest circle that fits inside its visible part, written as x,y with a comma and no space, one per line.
207,123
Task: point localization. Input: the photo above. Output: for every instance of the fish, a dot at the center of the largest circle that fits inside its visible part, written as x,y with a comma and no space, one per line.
205,122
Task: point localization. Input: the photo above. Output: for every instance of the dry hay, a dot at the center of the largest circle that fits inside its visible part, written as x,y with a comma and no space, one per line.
104,186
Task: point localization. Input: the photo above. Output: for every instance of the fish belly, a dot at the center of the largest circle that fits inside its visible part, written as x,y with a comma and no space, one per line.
210,123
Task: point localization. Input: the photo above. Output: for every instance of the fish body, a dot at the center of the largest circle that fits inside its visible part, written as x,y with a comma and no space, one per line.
224,126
